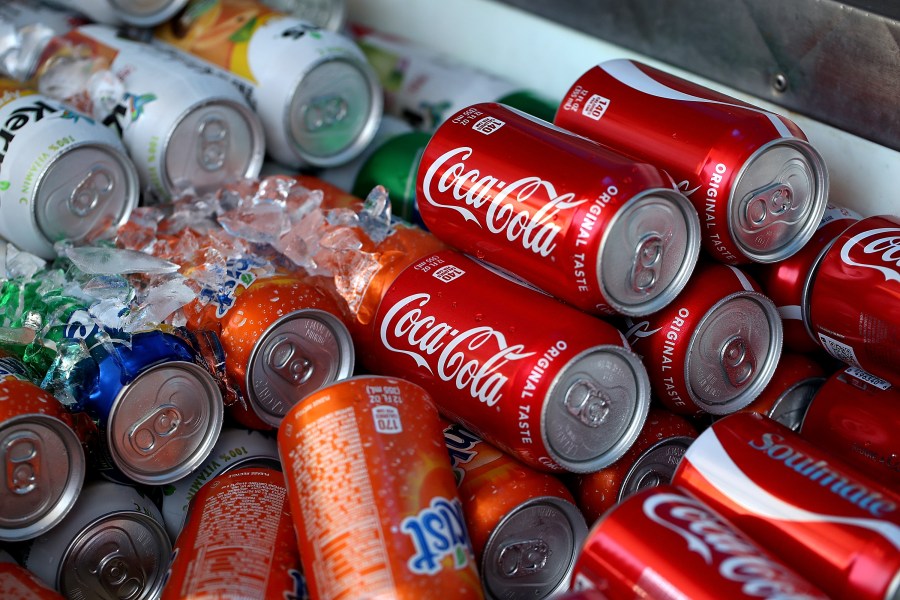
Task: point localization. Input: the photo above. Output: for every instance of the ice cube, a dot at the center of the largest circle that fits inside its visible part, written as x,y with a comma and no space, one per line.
101,260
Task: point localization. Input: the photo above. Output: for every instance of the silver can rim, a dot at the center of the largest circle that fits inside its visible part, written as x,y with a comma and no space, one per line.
680,439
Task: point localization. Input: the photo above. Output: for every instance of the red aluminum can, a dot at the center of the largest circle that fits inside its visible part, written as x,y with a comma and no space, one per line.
650,462
238,541
857,416
600,231
372,494
853,303
715,348
828,521
525,528
787,281
759,186
664,543
549,384
18,583
796,380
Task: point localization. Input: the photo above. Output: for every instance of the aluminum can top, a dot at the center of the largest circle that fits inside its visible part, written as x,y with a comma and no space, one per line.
655,466
139,13
327,14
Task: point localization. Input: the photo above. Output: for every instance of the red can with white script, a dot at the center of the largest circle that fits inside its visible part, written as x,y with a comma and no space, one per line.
664,543
823,518
853,303
548,383
759,186
600,231
715,348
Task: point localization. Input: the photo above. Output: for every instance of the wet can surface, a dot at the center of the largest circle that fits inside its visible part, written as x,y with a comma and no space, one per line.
861,327
826,520
140,13
759,186
557,388
794,384
319,99
664,543
66,176
241,518
715,348
372,494
524,526
596,229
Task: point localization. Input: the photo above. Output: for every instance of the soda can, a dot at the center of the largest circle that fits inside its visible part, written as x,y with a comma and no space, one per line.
856,415
795,382
281,334
18,582
319,100
159,411
787,282
664,543
327,14
111,545
372,494
853,296
241,518
138,13
759,186
826,520
715,348
65,176
551,385
525,528
42,458
596,229
650,462
235,449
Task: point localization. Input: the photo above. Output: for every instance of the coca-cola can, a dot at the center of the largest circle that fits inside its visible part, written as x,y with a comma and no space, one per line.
17,582
857,416
759,186
664,543
715,348
598,230
828,521
853,299
553,386
796,381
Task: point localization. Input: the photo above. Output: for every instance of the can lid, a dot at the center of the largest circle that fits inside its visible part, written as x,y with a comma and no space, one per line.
595,409
165,422
778,199
123,555
532,551
733,352
327,14
87,189
213,144
146,13
790,408
335,111
44,469
655,466
648,252
298,353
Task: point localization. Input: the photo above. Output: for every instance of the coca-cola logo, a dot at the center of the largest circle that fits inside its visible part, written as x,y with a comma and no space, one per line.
499,202
877,245
455,352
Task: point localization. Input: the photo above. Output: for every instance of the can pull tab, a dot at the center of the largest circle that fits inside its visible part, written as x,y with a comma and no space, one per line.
212,143
779,201
587,402
112,558
737,361
648,257
96,186
155,429
22,457
523,558
325,111
285,358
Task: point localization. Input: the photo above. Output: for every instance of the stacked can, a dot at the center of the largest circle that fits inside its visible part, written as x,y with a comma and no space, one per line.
757,183
138,13
319,100
795,382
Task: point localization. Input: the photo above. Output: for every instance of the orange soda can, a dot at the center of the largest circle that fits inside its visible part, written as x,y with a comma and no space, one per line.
372,493
525,528
238,541
650,462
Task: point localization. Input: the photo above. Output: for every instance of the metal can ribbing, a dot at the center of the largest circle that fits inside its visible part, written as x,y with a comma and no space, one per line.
319,100
111,545
557,388
139,13
372,494
238,541
664,543
857,416
17,582
715,348
650,462
795,382
327,14
525,528
63,176
596,229
759,186
853,297
823,518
